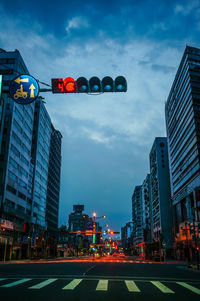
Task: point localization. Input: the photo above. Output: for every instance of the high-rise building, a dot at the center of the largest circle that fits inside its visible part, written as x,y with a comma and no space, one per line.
160,195
182,112
15,160
53,183
146,207
137,217
24,165
40,157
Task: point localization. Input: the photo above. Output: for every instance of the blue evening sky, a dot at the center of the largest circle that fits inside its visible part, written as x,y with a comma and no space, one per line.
106,138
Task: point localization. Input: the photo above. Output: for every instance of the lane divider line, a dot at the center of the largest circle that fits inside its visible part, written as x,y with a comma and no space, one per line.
132,287
42,284
74,283
162,287
190,287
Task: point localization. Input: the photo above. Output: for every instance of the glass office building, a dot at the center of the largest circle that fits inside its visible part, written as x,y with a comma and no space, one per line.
40,157
15,158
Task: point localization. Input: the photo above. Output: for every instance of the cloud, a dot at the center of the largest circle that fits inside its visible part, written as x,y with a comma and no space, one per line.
77,23
186,8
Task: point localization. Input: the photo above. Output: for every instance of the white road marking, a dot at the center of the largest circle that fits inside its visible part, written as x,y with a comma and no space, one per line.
162,287
102,285
16,282
74,283
42,284
132,287
190,287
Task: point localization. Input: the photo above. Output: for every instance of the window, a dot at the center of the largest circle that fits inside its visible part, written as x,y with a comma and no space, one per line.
19,114
20,208
10,204
23,171
15,150
21,195
17,126
24,160
12,175
17,139
11,189
13,163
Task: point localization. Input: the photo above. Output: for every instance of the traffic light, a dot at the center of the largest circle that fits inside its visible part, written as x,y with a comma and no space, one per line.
120,84
82,85
107,84
94,85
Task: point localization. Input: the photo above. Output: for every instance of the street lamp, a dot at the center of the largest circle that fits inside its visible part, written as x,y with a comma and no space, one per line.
93,229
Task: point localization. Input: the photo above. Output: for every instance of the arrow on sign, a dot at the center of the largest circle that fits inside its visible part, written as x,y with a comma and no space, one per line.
32,88
19,80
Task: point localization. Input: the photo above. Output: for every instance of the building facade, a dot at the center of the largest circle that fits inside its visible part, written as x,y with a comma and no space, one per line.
24,164
182,112
53,182
137,217
127,238
160,196
147,209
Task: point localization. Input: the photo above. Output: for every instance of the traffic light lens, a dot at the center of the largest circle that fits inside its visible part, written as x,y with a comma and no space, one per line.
120,87
95,88
69,85
83,88
107,88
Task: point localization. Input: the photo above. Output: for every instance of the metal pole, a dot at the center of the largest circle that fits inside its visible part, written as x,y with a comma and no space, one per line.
93,232
5,250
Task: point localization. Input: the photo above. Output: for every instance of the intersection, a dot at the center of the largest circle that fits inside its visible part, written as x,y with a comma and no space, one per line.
98,280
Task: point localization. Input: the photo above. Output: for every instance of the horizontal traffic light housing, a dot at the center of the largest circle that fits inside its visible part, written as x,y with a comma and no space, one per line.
93,85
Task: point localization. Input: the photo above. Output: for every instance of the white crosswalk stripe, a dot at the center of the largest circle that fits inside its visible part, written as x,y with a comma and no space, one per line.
42,284
71,286
162,287
190,287
132,287
16,282
102,285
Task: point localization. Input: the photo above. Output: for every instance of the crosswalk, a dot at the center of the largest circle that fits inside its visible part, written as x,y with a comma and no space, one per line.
103,285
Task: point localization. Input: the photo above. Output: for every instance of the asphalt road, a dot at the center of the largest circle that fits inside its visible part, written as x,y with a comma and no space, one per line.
98,281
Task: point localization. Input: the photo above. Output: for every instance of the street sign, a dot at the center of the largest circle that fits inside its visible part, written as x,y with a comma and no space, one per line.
24,89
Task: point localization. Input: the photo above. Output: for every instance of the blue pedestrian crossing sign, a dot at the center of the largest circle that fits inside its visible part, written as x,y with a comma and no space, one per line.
24,89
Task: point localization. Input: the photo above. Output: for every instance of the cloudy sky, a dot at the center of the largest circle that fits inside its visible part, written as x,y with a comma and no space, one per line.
106,138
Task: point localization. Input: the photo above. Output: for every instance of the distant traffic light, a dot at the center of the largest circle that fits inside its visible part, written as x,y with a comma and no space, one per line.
94,85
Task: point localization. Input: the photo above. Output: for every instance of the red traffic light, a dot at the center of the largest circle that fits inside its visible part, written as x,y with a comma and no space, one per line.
69,85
